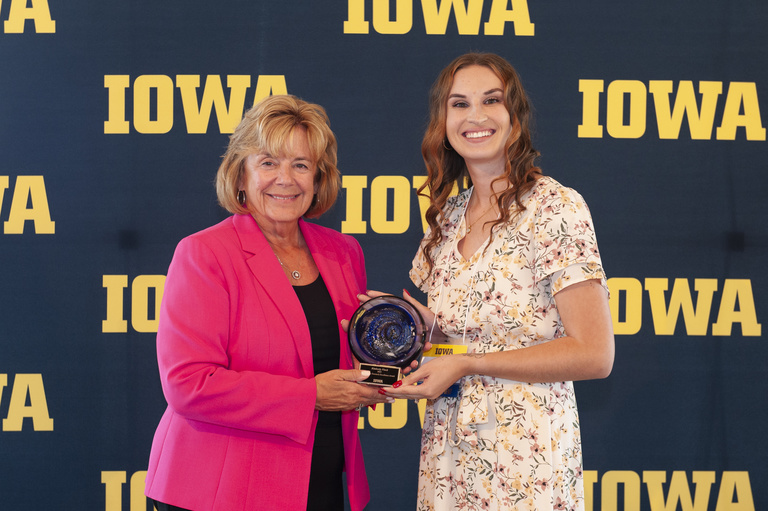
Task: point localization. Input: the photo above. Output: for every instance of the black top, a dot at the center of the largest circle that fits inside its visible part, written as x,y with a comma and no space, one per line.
326,491
324,332
323,326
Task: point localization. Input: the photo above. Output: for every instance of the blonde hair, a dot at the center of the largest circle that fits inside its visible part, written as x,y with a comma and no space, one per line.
267,128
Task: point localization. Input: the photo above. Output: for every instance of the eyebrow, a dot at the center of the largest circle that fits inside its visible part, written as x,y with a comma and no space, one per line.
490,91
269,155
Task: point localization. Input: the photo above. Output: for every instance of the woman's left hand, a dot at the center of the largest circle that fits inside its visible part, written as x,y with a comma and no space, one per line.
433,378
340,389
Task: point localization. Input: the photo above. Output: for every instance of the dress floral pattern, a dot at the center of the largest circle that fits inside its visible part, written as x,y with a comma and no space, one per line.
503,444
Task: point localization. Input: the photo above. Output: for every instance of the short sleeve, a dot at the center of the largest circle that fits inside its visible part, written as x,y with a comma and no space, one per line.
564,241
575,273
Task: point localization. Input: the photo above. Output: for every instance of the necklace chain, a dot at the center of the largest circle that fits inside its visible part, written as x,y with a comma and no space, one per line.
470,224
294,274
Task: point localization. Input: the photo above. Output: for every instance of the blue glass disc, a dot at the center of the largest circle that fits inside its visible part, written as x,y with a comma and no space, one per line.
387,330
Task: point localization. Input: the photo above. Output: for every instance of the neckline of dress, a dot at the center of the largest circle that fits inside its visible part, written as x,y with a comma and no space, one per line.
461,230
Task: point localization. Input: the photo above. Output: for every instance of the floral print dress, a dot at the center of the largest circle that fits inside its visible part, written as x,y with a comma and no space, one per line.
503,444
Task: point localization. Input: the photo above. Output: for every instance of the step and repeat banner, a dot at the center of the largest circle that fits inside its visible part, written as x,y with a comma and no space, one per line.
113,118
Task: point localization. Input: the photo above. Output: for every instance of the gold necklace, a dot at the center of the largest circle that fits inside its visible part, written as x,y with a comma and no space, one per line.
470,224
295,273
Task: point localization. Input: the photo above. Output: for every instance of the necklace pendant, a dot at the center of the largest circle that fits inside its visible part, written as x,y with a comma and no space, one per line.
296,275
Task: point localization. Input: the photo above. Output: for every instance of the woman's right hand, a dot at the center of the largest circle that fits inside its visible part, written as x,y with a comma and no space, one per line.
427,315
339,390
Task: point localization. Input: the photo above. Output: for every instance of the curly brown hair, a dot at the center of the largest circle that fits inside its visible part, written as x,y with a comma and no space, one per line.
446,168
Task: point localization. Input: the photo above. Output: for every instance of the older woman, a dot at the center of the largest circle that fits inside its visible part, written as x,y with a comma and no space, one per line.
511,268
261,387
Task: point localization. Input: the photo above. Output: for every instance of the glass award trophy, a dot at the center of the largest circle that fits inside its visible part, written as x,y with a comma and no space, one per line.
386,334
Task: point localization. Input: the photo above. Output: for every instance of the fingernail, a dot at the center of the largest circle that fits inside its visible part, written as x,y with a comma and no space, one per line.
382,392
365,373
372,407
406,293
397,384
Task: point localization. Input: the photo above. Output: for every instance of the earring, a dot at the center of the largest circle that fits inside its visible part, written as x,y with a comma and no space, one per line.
241,197
447,147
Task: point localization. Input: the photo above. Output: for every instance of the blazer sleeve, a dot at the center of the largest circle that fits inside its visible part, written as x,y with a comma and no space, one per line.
196,338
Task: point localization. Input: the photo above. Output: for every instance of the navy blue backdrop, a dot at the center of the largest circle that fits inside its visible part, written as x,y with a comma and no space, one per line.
113,117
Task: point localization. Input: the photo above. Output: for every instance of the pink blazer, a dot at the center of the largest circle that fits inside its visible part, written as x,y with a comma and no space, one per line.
235,363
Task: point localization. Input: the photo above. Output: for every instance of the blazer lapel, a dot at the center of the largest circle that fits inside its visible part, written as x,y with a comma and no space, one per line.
339,278
267,271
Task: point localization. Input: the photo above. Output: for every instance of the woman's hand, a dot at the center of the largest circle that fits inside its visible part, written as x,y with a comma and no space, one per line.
339,390
433,378
362,297
426,314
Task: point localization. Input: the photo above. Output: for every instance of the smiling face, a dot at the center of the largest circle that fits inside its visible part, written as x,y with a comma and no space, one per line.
279,188
477,122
